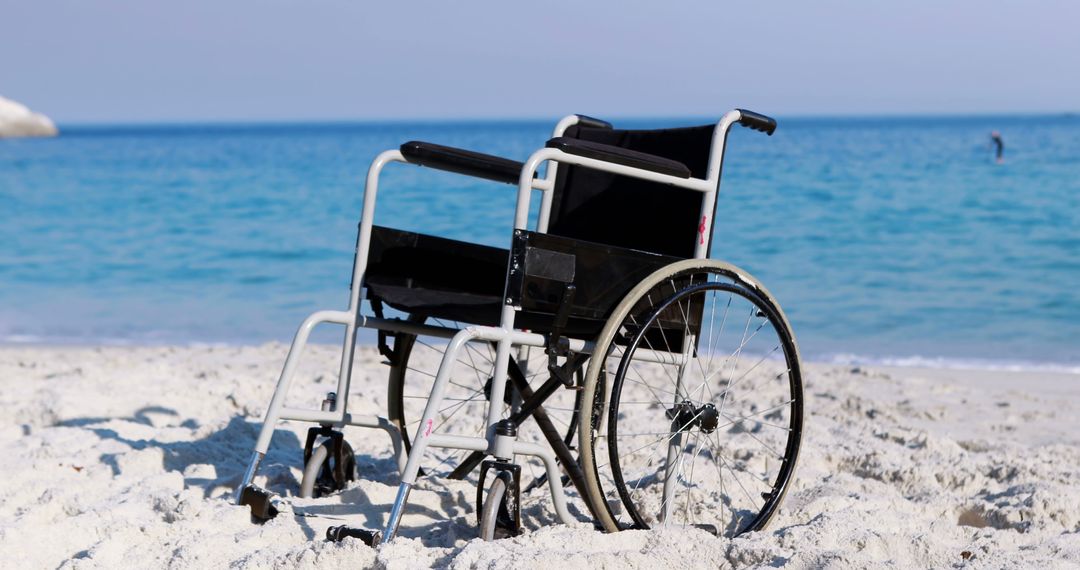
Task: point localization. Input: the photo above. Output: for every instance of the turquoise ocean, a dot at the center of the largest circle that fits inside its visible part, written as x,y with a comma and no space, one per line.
888,240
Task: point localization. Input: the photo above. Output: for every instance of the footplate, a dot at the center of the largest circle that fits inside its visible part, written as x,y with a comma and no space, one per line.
261,502
331,479
371,538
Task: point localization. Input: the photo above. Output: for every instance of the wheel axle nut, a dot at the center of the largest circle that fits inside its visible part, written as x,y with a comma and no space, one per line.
708,418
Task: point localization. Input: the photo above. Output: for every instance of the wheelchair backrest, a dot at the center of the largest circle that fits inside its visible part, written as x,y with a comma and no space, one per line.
626,212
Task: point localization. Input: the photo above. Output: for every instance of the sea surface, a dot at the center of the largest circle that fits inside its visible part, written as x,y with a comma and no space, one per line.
894,240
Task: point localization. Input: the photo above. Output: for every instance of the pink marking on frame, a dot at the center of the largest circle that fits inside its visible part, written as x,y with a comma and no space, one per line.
701,229
427,430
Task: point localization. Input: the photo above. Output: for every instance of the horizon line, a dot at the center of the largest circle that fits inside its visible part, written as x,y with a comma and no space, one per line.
544,119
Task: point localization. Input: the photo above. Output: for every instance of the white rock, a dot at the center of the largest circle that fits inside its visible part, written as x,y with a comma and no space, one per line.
16,120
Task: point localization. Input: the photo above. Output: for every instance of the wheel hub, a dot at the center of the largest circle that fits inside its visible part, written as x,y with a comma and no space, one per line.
708,418
686,415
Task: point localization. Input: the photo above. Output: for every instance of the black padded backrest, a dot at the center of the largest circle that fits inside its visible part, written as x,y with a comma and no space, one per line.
627,212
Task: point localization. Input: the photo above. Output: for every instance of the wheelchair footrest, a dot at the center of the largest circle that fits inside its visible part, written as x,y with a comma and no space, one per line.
261,502
371,538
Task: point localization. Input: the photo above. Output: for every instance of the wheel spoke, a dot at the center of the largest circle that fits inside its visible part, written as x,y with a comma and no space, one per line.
749,417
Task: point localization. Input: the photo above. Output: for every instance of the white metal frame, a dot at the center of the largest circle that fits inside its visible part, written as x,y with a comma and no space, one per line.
505,336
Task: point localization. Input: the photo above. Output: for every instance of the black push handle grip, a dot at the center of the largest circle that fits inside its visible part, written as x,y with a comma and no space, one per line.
757,121
587,121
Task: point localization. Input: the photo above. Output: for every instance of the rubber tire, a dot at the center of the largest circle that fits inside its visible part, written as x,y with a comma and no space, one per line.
607,336
311,471
319,456
490,515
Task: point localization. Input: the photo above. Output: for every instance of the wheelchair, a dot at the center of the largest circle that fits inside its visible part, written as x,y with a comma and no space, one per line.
663,386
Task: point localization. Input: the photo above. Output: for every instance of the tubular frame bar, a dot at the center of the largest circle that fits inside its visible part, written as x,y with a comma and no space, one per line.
518,337
549,177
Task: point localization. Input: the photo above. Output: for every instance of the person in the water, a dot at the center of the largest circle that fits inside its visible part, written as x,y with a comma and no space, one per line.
999,146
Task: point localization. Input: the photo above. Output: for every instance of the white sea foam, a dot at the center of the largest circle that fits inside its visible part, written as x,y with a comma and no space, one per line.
918,361
157,338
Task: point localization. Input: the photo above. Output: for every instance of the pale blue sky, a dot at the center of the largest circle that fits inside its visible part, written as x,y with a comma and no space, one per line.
156,60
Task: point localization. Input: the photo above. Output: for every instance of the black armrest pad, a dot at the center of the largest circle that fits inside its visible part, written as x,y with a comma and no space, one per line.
462,161
619,155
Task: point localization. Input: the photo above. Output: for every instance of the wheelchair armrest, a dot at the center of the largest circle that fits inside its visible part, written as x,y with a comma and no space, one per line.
462,161
619,155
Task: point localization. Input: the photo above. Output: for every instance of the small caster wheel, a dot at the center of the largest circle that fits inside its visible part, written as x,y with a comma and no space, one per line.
499,511
328,470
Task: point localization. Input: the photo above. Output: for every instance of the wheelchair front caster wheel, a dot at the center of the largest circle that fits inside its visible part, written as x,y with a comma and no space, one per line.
499,511
329,469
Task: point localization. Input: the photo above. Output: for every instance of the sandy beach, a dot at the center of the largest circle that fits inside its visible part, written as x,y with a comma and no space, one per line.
126,457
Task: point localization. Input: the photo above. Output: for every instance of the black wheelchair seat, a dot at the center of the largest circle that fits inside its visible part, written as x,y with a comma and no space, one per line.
441,278
436,277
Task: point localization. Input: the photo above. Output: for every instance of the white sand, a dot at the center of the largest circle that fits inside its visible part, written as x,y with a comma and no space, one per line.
125,458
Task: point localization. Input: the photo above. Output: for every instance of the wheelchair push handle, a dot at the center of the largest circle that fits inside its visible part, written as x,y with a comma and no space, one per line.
757,121
592,122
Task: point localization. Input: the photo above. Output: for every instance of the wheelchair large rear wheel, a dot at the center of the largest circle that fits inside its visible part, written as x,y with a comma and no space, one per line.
415,363
696,414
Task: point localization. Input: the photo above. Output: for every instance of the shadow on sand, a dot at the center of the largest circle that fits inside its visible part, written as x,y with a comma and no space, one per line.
228,449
